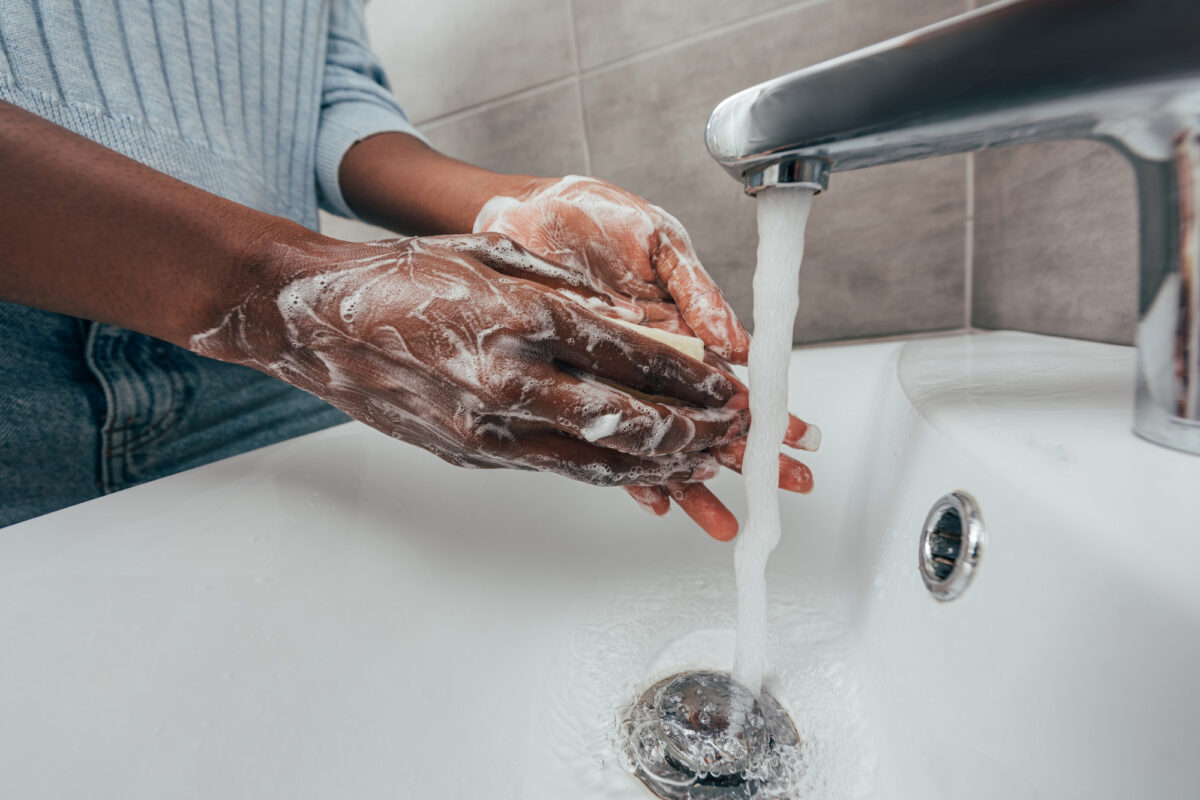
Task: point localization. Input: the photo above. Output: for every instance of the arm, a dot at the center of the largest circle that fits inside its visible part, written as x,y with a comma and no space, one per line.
398,182
91,233
467,346
372,163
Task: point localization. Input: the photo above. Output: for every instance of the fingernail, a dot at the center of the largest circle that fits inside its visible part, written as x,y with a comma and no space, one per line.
811,440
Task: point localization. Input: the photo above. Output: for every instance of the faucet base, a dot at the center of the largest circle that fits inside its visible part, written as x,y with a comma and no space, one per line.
1154,424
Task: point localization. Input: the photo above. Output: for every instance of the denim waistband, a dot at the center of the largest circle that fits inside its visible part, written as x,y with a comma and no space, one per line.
88,408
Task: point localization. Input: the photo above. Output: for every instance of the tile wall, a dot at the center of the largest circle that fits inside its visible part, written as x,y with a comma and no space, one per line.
1038,238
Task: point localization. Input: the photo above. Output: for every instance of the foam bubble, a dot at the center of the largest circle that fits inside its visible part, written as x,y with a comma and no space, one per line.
601,427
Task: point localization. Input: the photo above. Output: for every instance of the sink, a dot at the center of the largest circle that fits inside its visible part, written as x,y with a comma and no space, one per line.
343,615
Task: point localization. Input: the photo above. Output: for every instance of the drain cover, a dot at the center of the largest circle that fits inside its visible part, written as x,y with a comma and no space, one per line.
703,736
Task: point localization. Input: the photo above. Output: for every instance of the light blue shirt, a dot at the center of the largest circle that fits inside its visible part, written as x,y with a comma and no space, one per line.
254,100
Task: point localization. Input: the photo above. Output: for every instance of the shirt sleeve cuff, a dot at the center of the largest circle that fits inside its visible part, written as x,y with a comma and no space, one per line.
342,126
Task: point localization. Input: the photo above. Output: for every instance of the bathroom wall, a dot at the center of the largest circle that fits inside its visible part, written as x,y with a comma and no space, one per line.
1039,238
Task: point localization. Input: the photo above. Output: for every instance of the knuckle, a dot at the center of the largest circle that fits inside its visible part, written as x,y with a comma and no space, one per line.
600,473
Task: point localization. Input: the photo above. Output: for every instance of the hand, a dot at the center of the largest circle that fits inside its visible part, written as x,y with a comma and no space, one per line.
636,252
642,258
483,354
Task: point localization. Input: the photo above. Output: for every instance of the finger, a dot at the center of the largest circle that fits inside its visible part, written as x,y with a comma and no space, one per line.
604,415
699,503
502,254
652,498
603,348
699,299
799,434
794,476
550,451
802,435
664,315
714,360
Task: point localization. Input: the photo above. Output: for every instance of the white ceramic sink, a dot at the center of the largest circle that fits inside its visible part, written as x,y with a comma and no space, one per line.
346,616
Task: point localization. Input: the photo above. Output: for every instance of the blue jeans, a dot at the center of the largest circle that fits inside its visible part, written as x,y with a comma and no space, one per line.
87,409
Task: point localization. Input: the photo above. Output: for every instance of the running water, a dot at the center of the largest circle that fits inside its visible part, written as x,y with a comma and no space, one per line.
782,216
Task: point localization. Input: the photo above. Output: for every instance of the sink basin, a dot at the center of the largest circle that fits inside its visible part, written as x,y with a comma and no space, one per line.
342,615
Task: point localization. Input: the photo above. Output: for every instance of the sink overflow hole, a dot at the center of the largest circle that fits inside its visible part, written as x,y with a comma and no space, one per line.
951,543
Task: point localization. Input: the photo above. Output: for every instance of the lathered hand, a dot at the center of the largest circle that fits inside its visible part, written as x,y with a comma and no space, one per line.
485,355
636,252
642,258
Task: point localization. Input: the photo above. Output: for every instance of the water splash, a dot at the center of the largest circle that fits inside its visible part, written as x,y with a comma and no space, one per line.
635,631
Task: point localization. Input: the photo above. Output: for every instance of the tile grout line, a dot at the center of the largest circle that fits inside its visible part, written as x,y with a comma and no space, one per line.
496,102
579,72
583,131
969,247
700,36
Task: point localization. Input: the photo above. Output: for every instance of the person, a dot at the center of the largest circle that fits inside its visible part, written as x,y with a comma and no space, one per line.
168,302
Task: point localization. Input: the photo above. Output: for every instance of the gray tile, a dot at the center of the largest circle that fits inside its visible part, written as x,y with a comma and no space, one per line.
611,29
1056,241
444,57
540,134
886,251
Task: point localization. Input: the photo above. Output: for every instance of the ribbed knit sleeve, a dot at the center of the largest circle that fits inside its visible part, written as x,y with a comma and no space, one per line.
356,100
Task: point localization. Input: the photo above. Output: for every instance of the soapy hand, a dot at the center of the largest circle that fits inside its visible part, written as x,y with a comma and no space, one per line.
485,355
634,251
705,508
642,258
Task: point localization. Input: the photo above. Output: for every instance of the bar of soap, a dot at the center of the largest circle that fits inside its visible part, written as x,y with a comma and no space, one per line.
688,345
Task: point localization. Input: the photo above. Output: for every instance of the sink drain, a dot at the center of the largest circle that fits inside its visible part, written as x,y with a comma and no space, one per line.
951,543
703,736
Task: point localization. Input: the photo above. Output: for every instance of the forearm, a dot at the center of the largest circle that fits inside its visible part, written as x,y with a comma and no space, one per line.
91,233
398,182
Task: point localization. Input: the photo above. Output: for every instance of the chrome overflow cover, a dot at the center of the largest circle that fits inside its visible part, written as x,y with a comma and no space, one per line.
703,736
951,544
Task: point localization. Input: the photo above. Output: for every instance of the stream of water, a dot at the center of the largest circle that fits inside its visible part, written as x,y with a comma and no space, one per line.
782,217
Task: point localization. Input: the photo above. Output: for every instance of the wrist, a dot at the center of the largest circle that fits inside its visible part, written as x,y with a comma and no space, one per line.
398,182
253,259
517,187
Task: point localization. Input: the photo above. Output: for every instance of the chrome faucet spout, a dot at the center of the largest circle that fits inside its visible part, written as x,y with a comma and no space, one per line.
1122,72
811,172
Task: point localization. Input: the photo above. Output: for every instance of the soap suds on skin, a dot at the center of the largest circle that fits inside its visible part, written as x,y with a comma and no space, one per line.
602,427
659,280
469,382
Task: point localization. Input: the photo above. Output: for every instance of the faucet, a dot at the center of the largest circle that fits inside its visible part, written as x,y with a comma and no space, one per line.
1122,72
